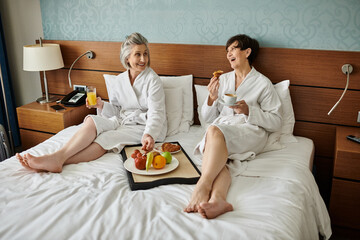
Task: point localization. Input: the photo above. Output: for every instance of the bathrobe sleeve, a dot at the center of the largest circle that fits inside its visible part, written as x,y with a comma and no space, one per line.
109,110
209,113
267,113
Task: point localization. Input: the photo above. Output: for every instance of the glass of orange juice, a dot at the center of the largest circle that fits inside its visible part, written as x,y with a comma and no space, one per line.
91,95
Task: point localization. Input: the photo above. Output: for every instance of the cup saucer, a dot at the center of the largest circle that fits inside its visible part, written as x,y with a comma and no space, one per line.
221,101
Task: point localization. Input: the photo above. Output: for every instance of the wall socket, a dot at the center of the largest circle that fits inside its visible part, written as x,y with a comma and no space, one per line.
81,88
347,68
358,120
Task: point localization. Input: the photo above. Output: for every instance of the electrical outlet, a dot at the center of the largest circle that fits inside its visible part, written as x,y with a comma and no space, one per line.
347,68
358,120
81,88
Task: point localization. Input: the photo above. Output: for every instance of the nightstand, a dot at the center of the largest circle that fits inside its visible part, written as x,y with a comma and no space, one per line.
38,122
345,191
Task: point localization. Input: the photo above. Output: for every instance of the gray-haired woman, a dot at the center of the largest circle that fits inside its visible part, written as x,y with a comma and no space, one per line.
135,114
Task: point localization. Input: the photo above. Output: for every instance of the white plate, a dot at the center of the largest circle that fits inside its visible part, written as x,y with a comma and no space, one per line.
157,148
129,164
226,104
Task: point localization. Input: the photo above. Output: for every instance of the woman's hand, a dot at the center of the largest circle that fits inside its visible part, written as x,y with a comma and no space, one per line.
99,103
213,89
241,107
147,143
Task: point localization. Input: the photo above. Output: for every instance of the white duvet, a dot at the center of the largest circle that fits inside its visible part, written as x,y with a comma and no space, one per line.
274,197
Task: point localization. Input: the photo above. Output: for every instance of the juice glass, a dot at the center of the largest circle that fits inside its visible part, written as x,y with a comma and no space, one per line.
91,95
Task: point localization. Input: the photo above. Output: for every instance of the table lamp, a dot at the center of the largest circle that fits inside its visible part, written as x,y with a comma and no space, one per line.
43,57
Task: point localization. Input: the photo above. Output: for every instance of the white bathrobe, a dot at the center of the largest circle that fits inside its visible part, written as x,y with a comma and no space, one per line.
132,111
245,136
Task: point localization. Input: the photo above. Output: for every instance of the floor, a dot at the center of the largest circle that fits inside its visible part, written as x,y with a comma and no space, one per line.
344,234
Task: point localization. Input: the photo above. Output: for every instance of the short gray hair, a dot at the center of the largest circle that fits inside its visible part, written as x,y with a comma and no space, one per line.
130,41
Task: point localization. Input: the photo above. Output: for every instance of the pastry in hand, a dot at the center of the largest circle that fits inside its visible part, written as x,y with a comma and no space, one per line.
218,73
169,147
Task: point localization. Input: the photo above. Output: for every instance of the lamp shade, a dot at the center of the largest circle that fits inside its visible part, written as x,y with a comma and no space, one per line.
42,58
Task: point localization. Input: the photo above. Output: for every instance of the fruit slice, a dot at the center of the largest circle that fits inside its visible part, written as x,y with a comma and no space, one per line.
167,156
149,160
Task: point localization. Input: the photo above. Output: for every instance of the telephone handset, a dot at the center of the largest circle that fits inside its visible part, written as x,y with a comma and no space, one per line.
74,99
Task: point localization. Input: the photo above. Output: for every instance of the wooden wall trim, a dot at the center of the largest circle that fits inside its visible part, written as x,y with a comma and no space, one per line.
323,136
313,104
315,75
320,68
310,103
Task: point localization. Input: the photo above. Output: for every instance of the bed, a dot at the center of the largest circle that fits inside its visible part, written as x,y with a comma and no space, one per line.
274,194
274,197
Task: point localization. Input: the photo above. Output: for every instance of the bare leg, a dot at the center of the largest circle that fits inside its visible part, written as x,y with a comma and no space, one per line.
217,204
92,152
214,160
55,161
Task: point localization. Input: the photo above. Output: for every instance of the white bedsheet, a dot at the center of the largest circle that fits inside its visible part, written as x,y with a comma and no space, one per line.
274,197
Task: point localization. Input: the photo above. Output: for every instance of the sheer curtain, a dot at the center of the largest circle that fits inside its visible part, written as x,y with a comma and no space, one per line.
8,92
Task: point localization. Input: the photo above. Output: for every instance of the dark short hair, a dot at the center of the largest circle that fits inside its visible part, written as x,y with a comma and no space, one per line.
245,42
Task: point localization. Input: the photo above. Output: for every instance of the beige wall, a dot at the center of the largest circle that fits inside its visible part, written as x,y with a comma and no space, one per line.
22,26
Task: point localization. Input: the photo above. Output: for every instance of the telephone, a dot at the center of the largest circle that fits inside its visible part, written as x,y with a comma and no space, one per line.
74,99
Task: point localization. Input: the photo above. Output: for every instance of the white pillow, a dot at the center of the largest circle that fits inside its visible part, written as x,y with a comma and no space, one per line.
110,80
288,117
174,107
201,95
285,134
184,82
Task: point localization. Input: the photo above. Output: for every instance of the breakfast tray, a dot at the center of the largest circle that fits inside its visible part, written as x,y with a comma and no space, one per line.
185,173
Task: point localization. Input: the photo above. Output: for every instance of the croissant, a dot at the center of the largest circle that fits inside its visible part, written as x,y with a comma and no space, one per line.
218,73
169,147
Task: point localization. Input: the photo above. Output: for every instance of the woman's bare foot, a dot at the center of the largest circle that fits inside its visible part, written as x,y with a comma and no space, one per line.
212,209
43,163
201,194
23,162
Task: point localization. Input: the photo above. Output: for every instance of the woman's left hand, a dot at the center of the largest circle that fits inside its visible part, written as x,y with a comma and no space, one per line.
241,107
99,103
147,143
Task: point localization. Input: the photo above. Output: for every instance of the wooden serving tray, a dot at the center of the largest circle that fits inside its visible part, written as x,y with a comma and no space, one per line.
185,173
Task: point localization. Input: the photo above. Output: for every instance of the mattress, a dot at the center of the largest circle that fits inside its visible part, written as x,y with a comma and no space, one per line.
274,197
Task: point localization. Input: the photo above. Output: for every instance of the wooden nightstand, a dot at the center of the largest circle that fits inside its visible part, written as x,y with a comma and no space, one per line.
345,192
38,122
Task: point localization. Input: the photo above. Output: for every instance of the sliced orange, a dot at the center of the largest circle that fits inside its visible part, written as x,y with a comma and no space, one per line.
159,162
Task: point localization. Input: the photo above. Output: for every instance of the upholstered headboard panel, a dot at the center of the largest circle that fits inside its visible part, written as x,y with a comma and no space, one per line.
315,76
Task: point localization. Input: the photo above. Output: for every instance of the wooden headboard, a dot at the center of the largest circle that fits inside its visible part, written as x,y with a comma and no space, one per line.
316,81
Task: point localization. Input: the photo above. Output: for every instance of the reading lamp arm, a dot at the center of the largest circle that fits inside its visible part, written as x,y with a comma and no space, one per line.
346,69
89,54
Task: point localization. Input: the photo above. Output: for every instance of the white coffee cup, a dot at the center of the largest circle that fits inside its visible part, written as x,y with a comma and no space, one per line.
229,98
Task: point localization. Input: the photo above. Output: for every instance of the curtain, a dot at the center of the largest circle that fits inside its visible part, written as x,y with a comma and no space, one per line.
9,93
